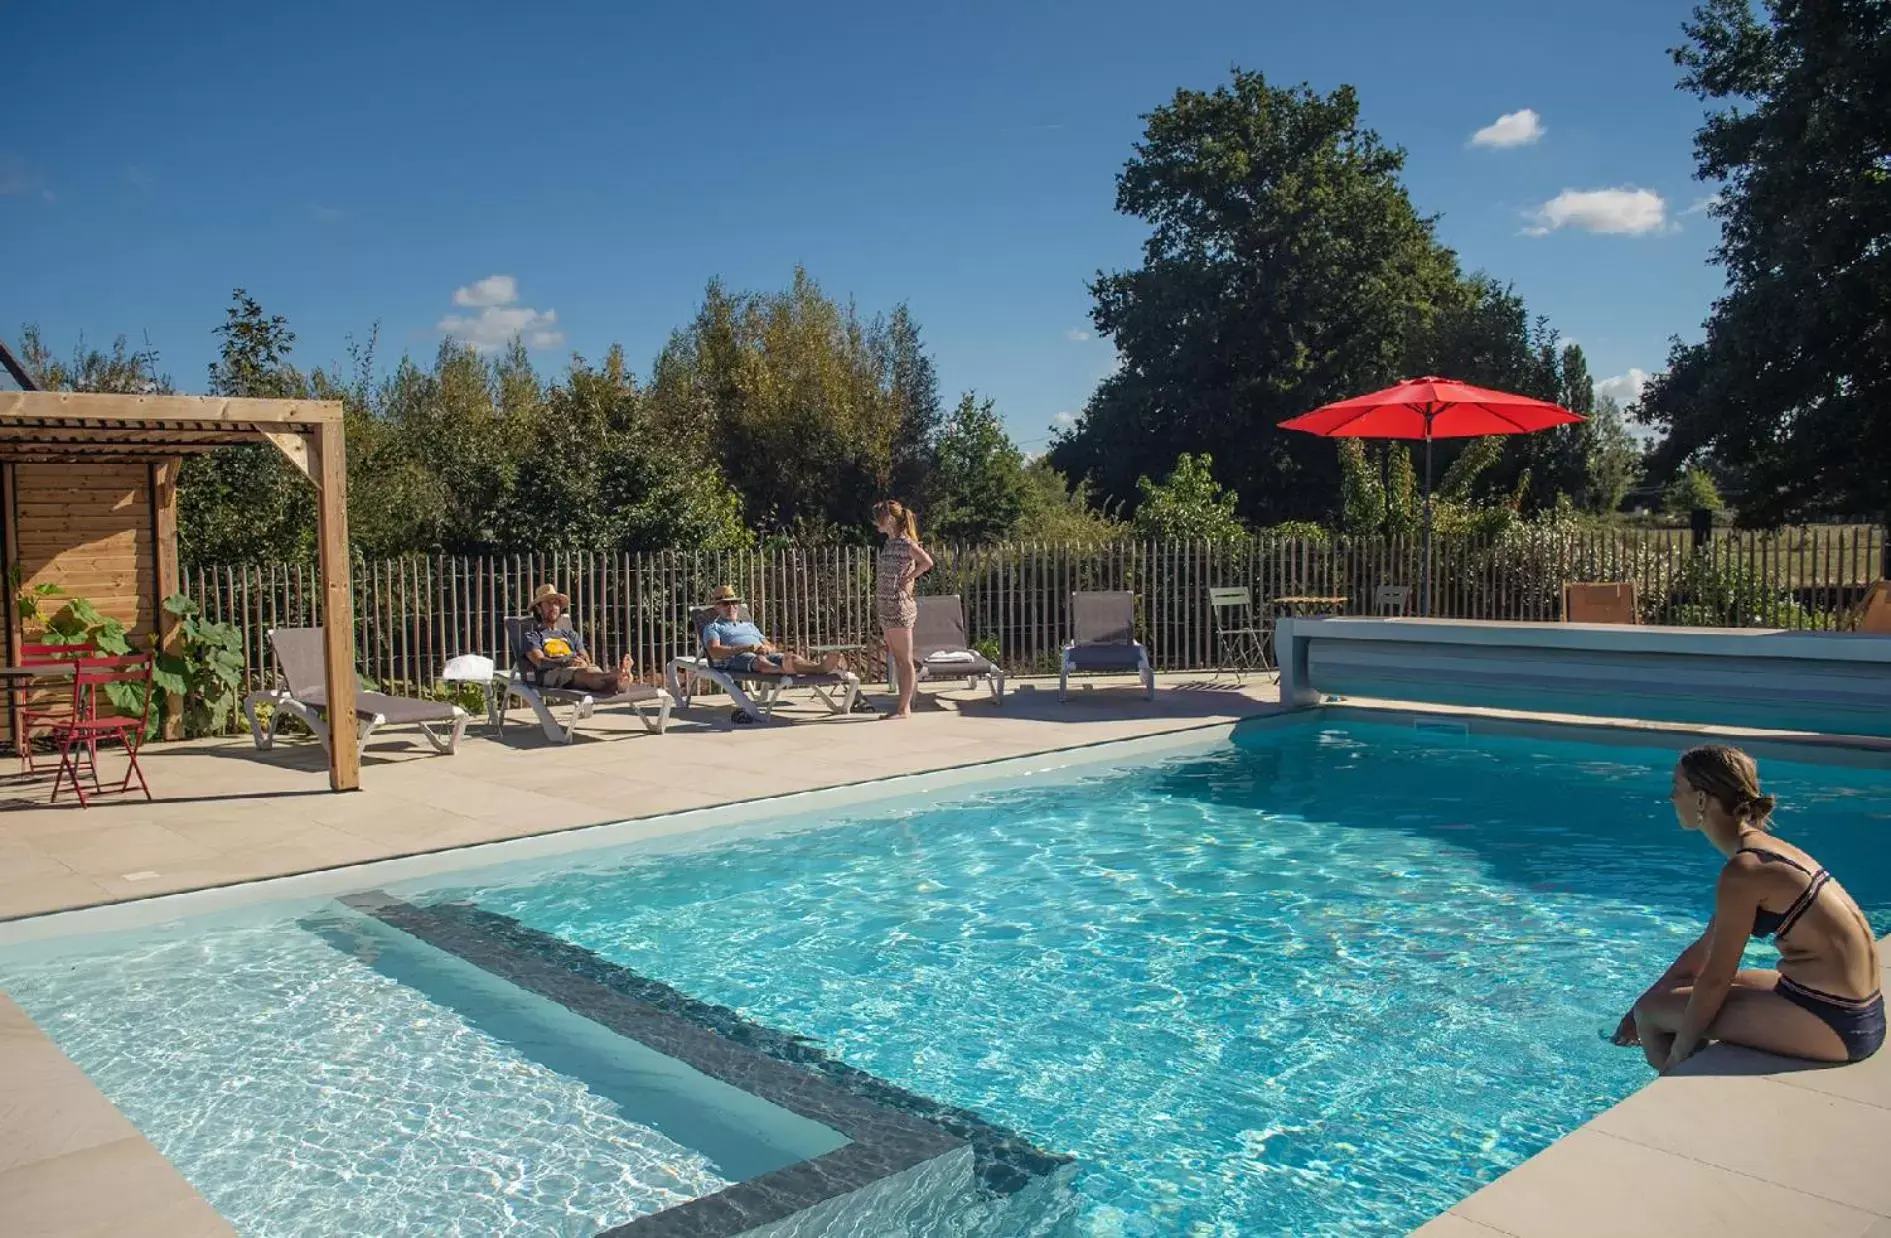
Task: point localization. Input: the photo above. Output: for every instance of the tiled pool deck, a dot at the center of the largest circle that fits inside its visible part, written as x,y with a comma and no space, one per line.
1736,1143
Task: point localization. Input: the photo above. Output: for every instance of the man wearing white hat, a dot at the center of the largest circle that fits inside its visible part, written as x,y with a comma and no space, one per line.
555,651
736,644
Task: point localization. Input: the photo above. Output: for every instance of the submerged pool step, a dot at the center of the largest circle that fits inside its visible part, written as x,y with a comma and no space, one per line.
909,1164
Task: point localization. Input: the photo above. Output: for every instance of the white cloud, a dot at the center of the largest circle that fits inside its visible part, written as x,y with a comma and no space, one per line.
1078,334
1708,203
1625,211
498,320
1063,420
1624,389
1510,129
493,290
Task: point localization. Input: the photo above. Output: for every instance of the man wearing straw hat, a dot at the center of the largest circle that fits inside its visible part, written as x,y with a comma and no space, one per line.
555,651
736,644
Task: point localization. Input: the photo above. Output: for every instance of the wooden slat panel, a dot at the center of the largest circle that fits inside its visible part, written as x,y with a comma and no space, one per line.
94,542
42,510
108,479
83,544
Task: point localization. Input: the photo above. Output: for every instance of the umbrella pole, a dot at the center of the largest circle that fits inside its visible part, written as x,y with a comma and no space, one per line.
1424,602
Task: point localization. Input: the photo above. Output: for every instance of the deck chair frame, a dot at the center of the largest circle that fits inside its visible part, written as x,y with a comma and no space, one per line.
755,696
1111,645
1874,609
940,628
307,707
1246,646
541,700
1606,598
1392,601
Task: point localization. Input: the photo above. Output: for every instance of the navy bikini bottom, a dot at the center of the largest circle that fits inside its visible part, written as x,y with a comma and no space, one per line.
1859,1021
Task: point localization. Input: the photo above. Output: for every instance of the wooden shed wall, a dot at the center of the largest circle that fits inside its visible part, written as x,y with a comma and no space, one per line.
91,530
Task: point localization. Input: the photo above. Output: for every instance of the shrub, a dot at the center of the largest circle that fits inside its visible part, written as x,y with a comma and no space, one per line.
205,668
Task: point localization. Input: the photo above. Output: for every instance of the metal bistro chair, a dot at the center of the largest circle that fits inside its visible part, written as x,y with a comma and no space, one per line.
79,738
1241,643
1392,601
49,712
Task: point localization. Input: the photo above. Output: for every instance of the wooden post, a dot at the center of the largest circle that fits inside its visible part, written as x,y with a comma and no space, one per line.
10,541
170,579
330,474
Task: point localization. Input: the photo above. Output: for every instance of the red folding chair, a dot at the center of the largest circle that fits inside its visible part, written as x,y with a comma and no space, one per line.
46,714
79,738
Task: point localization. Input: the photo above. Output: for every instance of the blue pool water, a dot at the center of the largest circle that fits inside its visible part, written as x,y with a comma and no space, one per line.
1324,979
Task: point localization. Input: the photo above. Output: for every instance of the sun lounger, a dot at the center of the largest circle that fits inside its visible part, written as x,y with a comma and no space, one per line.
941,651
1874,613
540,699
1104,640
304,695
755,694
1605,602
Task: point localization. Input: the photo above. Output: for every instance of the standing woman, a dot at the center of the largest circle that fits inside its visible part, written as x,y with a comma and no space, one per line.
902,561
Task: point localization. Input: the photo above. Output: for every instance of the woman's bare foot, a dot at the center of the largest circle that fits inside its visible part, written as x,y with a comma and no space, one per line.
830,664
895,715
626,672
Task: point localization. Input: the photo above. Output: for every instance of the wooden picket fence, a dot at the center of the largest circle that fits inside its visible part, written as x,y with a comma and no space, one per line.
414,613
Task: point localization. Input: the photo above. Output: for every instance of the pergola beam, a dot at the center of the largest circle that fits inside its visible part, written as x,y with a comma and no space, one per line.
107,409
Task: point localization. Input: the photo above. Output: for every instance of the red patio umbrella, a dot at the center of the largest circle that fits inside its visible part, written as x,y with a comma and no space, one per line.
1431,408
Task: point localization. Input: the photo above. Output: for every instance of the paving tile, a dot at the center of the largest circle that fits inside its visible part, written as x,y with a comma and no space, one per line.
41,894
1451,1225
1756,1126
1868,1082
120,1187
123,848
23,860
1591,1183
58,1113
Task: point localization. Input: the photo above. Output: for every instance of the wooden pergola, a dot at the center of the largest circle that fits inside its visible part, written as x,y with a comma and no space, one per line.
54,445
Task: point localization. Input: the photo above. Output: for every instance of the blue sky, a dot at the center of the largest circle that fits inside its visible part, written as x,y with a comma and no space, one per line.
349,162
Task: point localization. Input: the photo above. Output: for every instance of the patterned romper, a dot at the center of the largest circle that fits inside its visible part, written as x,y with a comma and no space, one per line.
893,601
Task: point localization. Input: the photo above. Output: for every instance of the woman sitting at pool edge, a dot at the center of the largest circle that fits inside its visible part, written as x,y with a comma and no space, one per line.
1824,1003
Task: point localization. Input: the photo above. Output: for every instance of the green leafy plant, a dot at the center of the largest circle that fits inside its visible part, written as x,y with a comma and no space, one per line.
987,648
205,668
80,624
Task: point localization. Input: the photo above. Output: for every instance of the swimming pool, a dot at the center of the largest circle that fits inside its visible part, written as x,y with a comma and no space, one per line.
1327,977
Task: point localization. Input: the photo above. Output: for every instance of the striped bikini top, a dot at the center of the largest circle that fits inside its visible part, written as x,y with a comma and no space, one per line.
1777,924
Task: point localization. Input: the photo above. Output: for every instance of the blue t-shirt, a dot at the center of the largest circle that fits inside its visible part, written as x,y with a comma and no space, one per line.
731,634
559,645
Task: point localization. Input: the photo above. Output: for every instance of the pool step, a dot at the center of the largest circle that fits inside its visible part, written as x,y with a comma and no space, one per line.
911,1165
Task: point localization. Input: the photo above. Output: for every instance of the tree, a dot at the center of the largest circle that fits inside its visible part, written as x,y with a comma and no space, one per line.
623,490
1787,392
978,483
915,391
1055,511
1614,458
1189,506
247,503
1692,490
120,371
1285,267
805,408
